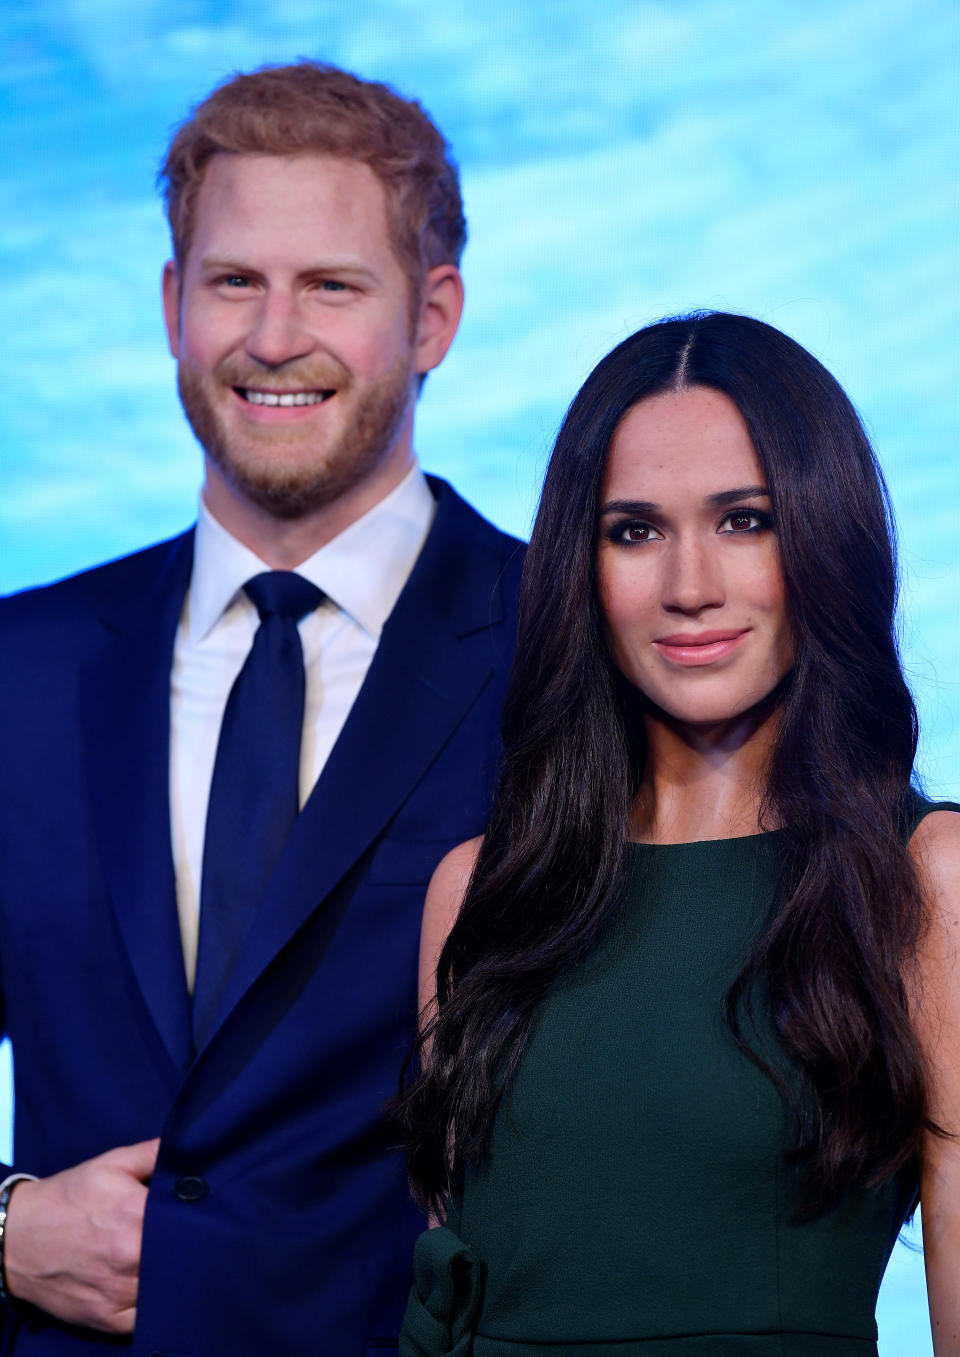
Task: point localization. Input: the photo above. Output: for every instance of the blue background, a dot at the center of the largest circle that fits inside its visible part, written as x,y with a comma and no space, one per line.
620,161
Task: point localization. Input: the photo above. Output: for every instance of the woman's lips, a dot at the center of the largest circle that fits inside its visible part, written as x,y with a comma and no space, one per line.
692,649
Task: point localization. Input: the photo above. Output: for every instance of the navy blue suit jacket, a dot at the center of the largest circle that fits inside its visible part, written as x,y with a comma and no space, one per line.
278,1220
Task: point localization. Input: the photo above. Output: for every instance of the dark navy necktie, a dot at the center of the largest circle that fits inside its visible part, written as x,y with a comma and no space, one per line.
254,795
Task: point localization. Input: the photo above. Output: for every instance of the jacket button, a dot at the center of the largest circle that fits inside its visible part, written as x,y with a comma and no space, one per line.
190,1189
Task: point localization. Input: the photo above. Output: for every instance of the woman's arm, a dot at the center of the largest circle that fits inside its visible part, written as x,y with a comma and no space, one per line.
936,848
448,886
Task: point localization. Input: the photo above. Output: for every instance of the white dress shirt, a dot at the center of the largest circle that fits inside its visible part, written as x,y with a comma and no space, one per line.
361,573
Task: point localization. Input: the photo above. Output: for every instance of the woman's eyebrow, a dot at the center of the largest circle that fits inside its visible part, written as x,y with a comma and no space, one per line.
719,500
629,506
724,497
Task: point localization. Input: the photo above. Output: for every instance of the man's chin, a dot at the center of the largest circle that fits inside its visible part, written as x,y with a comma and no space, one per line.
286,496
299,471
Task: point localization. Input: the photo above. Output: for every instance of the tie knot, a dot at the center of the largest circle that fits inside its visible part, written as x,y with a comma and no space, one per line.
283,592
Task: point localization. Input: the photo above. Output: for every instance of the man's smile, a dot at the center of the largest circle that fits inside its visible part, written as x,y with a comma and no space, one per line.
255,397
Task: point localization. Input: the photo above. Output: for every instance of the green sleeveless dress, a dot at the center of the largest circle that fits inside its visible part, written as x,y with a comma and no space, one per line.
635,1201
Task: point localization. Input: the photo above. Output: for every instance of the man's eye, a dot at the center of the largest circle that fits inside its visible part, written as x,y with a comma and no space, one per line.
235,280
333,285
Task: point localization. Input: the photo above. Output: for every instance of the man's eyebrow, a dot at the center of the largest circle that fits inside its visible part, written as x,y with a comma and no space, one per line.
719,500
224,262
216,263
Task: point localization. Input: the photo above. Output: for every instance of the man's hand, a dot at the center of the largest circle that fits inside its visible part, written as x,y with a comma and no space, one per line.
73,1239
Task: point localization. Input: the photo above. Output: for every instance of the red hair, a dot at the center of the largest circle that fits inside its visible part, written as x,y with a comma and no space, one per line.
310,107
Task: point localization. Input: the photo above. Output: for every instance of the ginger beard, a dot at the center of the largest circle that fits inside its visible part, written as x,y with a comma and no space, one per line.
291,471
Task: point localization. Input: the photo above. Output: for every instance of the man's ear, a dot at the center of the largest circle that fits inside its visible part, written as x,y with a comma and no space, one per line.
171,305
440,310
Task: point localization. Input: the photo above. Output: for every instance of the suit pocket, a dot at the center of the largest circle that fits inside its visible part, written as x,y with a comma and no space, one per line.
399,862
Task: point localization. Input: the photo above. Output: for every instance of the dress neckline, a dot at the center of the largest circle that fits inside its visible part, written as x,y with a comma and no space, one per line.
770,834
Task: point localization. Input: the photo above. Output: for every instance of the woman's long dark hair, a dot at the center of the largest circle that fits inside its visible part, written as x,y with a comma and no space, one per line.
831,965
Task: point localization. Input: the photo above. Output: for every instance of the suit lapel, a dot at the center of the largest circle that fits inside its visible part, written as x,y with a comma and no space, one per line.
433,661
125,716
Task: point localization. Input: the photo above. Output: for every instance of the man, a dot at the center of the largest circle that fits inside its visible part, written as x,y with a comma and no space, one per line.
209,995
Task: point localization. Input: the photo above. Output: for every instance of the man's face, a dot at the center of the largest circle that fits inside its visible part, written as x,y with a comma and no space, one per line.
297,351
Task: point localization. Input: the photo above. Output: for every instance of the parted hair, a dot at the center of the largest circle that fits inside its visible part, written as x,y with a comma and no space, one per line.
832,968
311,107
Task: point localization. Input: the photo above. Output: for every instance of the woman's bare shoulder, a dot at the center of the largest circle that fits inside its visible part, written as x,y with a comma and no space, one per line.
448,886
455,869
449,882
935,847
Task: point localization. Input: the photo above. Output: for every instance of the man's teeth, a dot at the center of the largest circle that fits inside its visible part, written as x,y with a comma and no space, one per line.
286,398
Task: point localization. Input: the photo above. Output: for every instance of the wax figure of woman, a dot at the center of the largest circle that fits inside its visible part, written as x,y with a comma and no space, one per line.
697,1041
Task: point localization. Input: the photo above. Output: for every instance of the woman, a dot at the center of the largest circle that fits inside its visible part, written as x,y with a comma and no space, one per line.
692,1030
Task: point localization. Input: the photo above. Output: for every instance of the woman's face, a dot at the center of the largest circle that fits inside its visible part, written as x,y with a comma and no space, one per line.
688,567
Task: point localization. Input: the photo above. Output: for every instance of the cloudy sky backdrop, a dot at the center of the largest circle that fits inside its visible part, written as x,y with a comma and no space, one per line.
620,160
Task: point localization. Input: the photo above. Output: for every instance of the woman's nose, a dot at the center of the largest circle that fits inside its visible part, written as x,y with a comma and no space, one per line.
694,578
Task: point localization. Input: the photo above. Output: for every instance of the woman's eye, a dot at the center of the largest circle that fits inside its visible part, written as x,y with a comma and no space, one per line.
635,532
743,520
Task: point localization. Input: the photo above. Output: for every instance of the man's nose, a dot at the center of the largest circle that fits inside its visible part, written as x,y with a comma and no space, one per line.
278,334
694,577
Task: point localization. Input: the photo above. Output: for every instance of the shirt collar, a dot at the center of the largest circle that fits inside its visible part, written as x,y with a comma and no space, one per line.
362,570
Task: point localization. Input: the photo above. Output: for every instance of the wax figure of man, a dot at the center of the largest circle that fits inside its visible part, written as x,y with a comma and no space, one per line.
210,995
